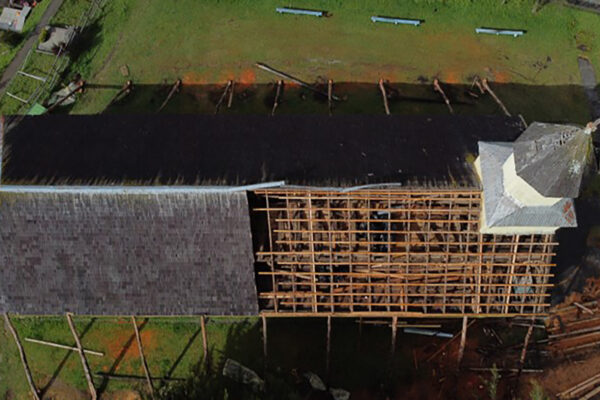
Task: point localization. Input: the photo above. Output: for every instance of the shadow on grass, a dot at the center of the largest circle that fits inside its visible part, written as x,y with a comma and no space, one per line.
61,365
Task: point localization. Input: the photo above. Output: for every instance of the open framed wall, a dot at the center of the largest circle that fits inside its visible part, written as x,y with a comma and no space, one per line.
403,252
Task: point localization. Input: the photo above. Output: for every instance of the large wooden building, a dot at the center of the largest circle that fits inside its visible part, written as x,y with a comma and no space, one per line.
287,216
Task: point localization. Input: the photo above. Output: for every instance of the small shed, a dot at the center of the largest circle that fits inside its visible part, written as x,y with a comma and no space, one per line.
13,19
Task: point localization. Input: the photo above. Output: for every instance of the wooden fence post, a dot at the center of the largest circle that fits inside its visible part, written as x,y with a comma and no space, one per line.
12,330
86,368
204,340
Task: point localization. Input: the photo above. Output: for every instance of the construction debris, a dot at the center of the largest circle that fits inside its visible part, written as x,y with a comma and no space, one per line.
241,374
315,382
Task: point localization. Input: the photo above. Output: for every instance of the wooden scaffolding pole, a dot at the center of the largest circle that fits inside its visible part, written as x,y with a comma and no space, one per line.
487,87
143,359
204,341
264,332
525,345
394,331
277,95
174,90
231,89
328,365
222,98
384,97
10,327
86,368
438,88
329,96
463,340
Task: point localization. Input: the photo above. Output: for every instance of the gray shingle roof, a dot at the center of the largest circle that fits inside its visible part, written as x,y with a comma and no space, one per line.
503,210
186,253
553,158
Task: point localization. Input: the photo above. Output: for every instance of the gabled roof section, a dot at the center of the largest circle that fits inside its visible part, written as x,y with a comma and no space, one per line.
122,254
502,209
553,158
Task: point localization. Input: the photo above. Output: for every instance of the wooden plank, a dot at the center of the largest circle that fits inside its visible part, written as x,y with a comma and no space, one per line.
62,346
142,357
34,391
86,368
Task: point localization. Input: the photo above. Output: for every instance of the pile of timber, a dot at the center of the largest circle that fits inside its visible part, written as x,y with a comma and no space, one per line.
585,390
574,328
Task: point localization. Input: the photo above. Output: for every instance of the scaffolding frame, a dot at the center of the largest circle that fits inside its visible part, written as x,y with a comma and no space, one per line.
416,253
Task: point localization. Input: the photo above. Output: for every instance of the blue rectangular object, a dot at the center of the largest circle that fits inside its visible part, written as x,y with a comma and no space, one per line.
396,21
493,31
297,11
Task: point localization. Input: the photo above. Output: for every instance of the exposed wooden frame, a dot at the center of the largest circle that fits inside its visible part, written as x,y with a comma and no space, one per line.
396,252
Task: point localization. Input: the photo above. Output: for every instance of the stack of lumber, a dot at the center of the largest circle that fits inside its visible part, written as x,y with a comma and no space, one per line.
574,328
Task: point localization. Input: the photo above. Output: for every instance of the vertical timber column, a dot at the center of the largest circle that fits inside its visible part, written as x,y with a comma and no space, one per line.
509,277
394,331
463,340
328,365
86,368
271,250
312,252
10,327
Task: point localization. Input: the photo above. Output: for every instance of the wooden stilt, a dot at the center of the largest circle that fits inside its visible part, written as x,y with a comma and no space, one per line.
360,328
204,341
71,93
222,98
141,350
230,101
463,339
328,366
277,95
86,368
288,77
394,330
329,94
264,332
438,88
384,96
487,87
9,326
174,90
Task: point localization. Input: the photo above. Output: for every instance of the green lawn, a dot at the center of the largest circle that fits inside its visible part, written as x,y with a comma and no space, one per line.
212,41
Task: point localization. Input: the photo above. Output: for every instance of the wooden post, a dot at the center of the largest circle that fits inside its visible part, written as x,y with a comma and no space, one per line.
525,345
277,94
86,368
360,328
264,332
463,339
288,77
394,330
438,88
329,94
12,330
222,98
79,86
174,89
230,101
126,89
204,340
141,350
384,96
496,99
328,365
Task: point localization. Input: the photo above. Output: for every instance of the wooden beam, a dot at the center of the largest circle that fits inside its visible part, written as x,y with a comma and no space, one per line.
62,346
525,344
288,77
222,98
11,329
86,368
172,92
463,340
329,96
231,89
394,330
277,95
328,365
143,359
264,332
487,87
204,341
384,97
438,88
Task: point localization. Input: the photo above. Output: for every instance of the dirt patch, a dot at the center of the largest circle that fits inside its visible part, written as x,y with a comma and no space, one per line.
59,390
248,77
124,341
122,395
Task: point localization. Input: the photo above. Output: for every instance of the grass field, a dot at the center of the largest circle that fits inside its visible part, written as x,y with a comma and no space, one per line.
212,41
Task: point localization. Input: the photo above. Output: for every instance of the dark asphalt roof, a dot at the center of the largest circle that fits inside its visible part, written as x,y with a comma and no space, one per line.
247,149
187,253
